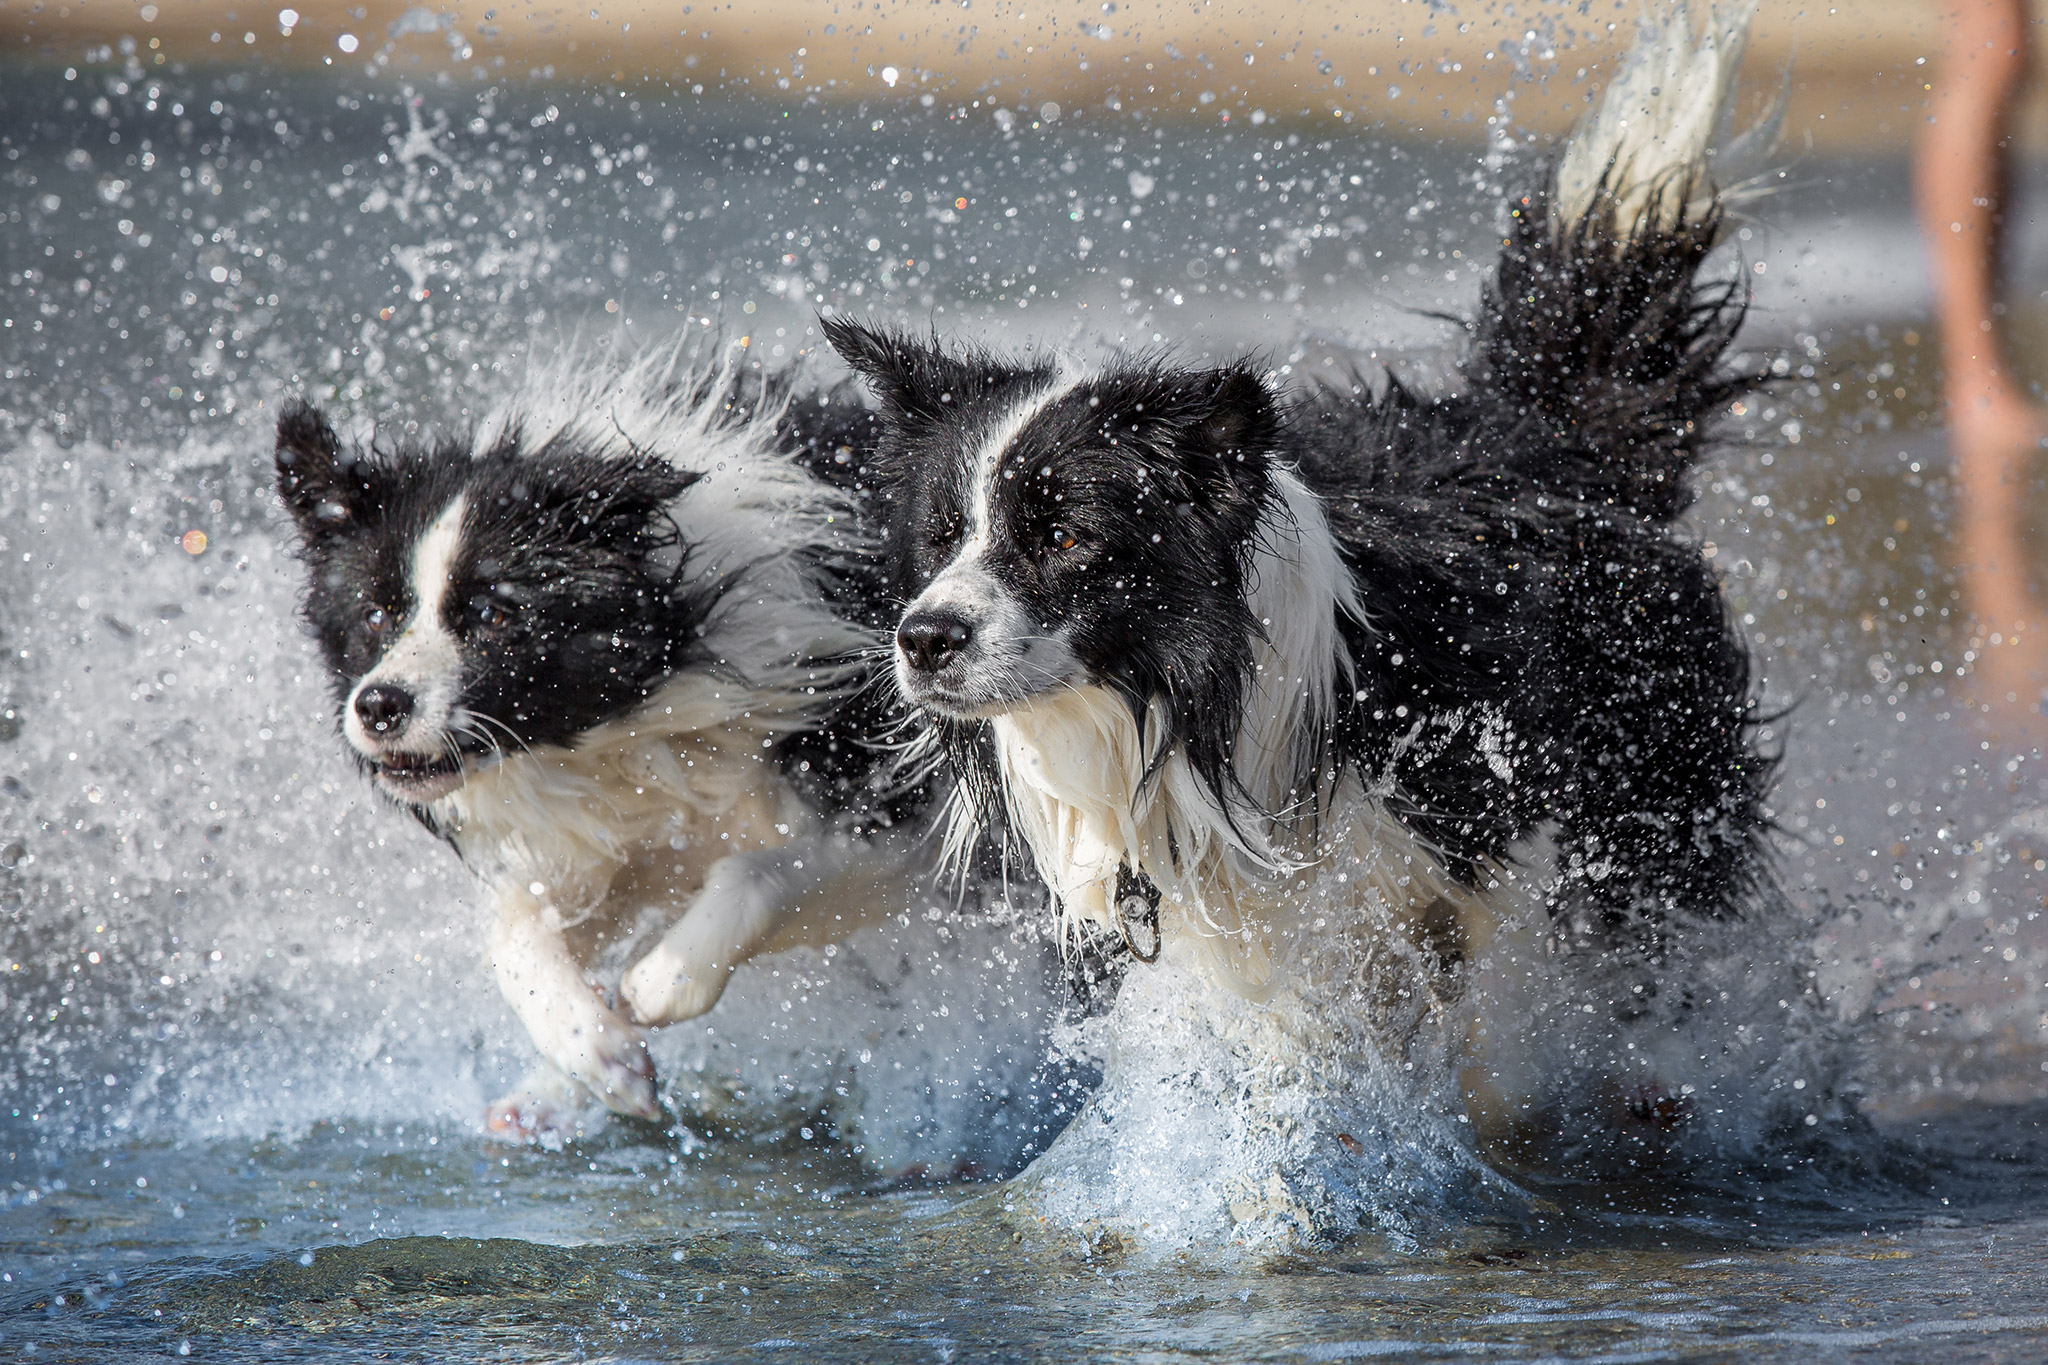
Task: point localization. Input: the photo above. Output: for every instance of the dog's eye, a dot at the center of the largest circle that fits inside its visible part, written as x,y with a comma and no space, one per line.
494,614
377,620
1060,538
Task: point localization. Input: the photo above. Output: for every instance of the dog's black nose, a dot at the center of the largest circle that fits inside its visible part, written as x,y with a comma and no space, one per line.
931,638
383,708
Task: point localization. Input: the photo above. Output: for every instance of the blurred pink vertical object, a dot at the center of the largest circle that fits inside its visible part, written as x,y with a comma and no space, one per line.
1962,180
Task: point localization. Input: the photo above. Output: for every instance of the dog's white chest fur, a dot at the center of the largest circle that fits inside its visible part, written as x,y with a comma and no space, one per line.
692,773
1089,800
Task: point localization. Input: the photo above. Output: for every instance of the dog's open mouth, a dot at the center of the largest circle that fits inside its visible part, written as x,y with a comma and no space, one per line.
419,777
943,700
973,700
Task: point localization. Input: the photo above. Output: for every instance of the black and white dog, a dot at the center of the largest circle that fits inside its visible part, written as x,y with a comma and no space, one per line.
595,646
1200,642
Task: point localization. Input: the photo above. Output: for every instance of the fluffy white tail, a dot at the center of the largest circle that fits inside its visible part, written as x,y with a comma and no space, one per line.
1662,123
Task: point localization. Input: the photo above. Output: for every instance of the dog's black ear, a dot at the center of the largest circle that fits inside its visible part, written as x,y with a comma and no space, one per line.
913,378
1227,424
874,354
629,494
599,499
322,494
1239,418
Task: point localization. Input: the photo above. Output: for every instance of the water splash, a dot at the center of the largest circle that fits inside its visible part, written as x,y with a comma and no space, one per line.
1380,1092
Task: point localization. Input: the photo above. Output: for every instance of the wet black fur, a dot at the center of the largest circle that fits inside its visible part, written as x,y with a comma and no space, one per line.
1512,543
849,761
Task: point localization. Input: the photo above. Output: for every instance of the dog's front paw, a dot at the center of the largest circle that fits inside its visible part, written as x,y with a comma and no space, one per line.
606,1055
546,1109
668,986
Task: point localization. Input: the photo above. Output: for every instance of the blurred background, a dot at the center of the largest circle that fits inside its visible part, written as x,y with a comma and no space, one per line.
1430,69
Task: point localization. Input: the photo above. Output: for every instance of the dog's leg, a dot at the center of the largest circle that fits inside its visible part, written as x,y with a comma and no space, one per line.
747,897
568,1023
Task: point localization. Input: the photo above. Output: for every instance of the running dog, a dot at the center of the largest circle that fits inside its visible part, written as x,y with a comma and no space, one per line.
1203,644
601,647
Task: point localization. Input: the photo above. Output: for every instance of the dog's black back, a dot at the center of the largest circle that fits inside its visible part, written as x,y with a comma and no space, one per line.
1515,546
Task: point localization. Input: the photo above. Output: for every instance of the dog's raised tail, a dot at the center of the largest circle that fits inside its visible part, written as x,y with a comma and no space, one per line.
1598,324
1664,131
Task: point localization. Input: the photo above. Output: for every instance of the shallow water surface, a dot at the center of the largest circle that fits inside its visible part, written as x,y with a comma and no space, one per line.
247,1039
436,1247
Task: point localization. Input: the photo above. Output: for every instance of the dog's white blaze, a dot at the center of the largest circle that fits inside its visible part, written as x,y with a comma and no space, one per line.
426,658
1006,638
433,566
988,464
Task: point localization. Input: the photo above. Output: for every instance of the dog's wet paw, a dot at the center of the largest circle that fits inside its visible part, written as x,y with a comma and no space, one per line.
605,1055
620,1073
546,1109
666,988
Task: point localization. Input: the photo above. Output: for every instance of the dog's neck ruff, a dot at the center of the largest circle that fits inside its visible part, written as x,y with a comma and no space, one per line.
1089,798
771,655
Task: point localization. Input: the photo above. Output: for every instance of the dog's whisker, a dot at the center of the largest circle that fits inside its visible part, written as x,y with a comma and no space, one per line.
487,719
